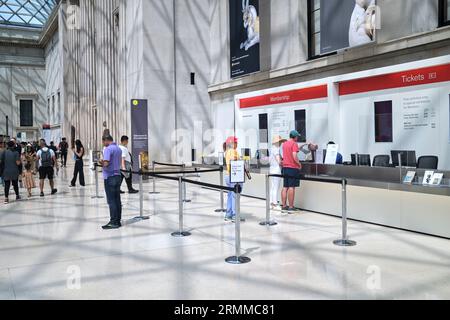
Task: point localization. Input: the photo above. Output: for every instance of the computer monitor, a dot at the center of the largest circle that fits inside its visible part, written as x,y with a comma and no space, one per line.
408,158
363,160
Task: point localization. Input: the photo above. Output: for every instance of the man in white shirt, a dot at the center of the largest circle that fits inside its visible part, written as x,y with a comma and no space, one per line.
47,160
127,164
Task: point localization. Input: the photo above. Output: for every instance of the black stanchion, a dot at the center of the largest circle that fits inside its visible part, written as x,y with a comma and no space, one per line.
185,199
97,193
269,222
222,208
180,233
238,258
344,242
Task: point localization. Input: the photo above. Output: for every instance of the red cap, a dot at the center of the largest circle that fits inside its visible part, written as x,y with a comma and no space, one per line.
231,140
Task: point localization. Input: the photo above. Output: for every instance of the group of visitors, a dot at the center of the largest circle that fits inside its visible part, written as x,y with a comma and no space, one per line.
284,161
35,159
41,159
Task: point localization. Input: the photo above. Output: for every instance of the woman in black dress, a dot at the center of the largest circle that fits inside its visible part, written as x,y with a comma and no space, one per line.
78,152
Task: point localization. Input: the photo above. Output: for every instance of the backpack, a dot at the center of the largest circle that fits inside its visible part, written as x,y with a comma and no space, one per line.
64,146
46,159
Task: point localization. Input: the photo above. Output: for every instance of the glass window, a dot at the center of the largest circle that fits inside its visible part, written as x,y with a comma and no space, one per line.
300,124
26,113
314,28
29,13
383,121
444,13
263,128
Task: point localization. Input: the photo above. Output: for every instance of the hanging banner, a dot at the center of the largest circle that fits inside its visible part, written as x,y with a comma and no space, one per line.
139,134
346,23
244,37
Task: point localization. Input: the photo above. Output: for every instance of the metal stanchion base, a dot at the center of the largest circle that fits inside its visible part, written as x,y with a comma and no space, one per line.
237,260
268,223
141,218
220,210
182,234
344,243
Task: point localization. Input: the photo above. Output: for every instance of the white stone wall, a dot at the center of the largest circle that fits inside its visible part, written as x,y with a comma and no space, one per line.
152,52
22,76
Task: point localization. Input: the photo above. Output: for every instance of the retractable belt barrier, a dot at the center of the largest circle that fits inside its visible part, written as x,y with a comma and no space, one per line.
154,164
168,164
237,258
344,242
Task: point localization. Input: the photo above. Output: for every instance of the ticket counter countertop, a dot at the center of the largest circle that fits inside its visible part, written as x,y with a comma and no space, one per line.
374,195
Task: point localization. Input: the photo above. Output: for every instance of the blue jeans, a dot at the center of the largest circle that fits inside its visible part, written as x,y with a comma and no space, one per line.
231,201
112,189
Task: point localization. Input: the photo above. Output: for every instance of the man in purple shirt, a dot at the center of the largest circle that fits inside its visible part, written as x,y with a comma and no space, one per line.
111,163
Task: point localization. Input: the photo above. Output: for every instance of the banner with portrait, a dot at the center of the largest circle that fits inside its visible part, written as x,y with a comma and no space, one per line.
346,23
244,37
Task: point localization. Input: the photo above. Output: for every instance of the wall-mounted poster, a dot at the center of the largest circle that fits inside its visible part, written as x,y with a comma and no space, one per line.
346,23
244,37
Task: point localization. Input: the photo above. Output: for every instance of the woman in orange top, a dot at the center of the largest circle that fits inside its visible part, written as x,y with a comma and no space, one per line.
231,155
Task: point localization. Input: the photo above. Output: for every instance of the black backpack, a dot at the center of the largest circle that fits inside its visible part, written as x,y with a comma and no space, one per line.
46,159
64,146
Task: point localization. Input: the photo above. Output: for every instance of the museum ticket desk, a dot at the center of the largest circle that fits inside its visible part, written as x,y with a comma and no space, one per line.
374,195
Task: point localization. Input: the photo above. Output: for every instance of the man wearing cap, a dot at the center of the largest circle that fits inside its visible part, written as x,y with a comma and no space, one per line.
291,171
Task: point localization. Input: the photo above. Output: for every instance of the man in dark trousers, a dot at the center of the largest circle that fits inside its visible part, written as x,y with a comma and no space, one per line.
127,165
63,149
111,164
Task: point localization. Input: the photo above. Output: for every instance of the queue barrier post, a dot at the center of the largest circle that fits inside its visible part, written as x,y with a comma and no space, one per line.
222,208
97,193
344,242
154,178
269,222
237,258
185,199
180,233
141,198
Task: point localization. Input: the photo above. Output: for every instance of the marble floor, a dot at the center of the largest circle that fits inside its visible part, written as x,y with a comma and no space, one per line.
54,248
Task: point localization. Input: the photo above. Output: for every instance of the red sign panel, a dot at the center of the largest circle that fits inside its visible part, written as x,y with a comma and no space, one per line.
311,93
396,80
